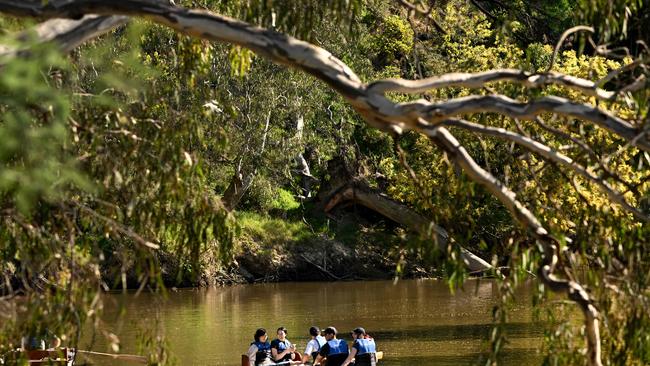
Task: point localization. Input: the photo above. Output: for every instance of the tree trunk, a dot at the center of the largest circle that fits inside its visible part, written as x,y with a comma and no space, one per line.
359,193
238,186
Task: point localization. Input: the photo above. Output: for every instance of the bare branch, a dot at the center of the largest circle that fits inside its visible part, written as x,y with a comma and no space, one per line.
478,80
574,291
66,34
552,155
566,33
437,112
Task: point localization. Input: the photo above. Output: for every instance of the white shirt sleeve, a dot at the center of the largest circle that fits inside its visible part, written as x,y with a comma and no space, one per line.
310,347
252,350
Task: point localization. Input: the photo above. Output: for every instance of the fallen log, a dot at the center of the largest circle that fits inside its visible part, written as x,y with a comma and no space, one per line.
359,193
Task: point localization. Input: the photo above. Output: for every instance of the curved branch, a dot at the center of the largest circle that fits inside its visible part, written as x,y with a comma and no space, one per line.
204,24
66,34
573,290
549,154
437,112
566,33
479,79
374,107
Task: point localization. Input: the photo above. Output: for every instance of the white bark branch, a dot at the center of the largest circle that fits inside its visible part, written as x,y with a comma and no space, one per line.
478,80
437,112
549,154
66,34
573,290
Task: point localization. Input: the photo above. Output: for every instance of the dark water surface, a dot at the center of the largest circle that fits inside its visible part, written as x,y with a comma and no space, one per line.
415,322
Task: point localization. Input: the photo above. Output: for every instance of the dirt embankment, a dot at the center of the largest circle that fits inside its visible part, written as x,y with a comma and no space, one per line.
319,259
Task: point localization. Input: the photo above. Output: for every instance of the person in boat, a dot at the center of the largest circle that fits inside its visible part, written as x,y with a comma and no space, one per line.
313,347
336,350
281,349
55,343
259,353
29,343
364,351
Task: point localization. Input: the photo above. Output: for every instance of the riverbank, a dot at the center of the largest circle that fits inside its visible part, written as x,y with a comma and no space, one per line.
276,249
284,248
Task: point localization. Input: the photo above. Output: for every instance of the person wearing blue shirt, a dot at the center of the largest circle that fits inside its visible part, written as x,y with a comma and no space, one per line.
364,351
336,350
281,349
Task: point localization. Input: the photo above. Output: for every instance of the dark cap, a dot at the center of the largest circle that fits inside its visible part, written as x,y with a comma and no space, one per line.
359,330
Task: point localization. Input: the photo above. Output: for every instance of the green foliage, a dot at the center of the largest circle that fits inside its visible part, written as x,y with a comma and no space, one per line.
391,39
284,201
33,114
298,18
530,22
133,145
259,229
614,19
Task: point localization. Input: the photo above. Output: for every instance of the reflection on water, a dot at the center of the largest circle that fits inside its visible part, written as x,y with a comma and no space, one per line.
415,322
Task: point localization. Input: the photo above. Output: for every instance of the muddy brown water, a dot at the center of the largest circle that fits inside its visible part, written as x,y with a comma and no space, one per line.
415,322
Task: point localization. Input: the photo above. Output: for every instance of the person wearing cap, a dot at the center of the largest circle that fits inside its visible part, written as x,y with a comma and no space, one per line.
364,351
315,344
259,353
336,350
281,349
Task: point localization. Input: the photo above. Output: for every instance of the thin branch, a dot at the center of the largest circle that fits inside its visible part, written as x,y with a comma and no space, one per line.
424,12
564,35
573,290
117,226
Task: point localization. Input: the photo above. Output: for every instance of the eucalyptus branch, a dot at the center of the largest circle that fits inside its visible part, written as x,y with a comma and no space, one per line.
564,35
552,155
572,289
66,34
436,112
479,79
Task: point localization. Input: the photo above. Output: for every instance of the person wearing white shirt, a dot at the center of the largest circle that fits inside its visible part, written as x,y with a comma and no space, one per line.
313,347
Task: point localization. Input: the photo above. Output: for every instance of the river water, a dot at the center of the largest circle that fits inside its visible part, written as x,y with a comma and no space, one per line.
415,322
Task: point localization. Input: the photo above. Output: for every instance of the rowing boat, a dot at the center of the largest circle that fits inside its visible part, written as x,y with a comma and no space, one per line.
297,359
379,356
58,357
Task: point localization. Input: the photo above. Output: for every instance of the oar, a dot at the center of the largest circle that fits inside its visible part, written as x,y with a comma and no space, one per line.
115,356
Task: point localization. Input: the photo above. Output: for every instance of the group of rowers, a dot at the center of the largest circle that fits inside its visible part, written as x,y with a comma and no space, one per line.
281,351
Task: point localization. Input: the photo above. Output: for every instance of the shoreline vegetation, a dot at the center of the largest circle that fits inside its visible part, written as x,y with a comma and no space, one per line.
276,249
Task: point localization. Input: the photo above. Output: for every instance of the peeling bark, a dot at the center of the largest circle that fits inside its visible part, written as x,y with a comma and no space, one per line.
66,34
